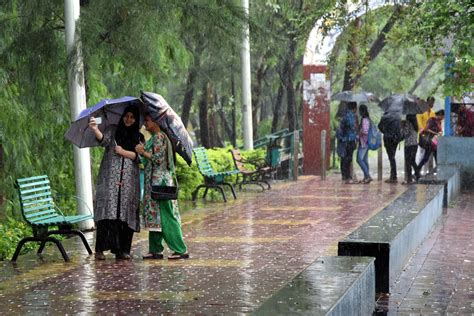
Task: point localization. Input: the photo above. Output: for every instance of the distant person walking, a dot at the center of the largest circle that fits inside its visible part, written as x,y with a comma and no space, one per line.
410,134
347,137
363,148
162,217
429,138
116,209
390,126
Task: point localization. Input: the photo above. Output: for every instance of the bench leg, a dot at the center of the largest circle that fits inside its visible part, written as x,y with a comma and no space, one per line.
267,183
205,192
43,242
20,245
60,246
222,192
231,188
83,238
76,232
260,185
195,193
41,248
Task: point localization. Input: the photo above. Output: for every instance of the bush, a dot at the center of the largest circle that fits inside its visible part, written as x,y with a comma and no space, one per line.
12,232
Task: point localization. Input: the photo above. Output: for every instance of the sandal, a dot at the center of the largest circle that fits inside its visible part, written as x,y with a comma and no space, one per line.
153,256
99,255
176,256
122,256
352,182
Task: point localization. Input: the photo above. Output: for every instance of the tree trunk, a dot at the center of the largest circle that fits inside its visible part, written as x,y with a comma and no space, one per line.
190,83
421,77
289,85
257,92
224,121
234,116
352,58
203,117
277,108
214,127
188,95
379,43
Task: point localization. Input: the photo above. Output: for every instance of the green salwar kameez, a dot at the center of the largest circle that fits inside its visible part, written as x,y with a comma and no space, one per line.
161,218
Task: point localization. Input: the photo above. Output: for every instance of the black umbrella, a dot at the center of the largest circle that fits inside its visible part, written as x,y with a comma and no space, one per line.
170,123
403,104
351,96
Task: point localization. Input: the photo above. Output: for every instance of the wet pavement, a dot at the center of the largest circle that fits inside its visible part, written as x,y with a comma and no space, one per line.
439,278
242,252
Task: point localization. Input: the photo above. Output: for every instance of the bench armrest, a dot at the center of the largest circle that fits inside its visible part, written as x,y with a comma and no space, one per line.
78,199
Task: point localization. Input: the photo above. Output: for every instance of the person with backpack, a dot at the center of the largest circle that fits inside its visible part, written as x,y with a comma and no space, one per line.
390,126
363,148
347,137
410,133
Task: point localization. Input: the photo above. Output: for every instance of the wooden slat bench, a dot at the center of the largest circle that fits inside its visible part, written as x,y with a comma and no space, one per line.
40,212
258,176
212,179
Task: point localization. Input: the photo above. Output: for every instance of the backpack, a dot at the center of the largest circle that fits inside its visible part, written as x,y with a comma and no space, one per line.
374,138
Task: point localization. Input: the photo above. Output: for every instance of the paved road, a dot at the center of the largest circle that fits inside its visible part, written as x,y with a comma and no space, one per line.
244,251
241,253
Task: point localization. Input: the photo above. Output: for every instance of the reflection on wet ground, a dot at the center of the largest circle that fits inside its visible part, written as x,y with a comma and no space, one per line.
439,279
242,252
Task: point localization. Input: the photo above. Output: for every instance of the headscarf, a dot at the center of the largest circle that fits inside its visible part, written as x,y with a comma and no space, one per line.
129,137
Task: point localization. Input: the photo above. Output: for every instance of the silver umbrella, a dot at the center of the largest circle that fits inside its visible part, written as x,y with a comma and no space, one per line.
351,96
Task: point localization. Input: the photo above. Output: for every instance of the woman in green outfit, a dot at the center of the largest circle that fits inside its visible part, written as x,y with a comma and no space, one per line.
161,217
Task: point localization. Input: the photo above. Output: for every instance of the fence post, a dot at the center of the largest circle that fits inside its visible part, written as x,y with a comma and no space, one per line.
380,163
296,146
323,154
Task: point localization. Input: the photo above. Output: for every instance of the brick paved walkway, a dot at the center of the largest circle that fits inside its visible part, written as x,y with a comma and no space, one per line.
439,279
241,253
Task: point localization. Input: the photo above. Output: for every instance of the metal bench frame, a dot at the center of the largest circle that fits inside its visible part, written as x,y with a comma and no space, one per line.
212,179
258,176
41,213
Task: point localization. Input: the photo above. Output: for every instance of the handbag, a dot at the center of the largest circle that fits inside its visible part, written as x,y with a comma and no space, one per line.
164,192
425,140
434,143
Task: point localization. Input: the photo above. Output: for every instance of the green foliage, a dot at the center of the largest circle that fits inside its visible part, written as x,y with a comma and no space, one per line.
12,232
442,26
188,178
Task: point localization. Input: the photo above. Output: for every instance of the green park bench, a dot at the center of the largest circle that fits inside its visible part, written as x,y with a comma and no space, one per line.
41,213
268,139
212,179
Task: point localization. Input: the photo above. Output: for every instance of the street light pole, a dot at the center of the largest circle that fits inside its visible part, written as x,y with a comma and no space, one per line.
77,100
